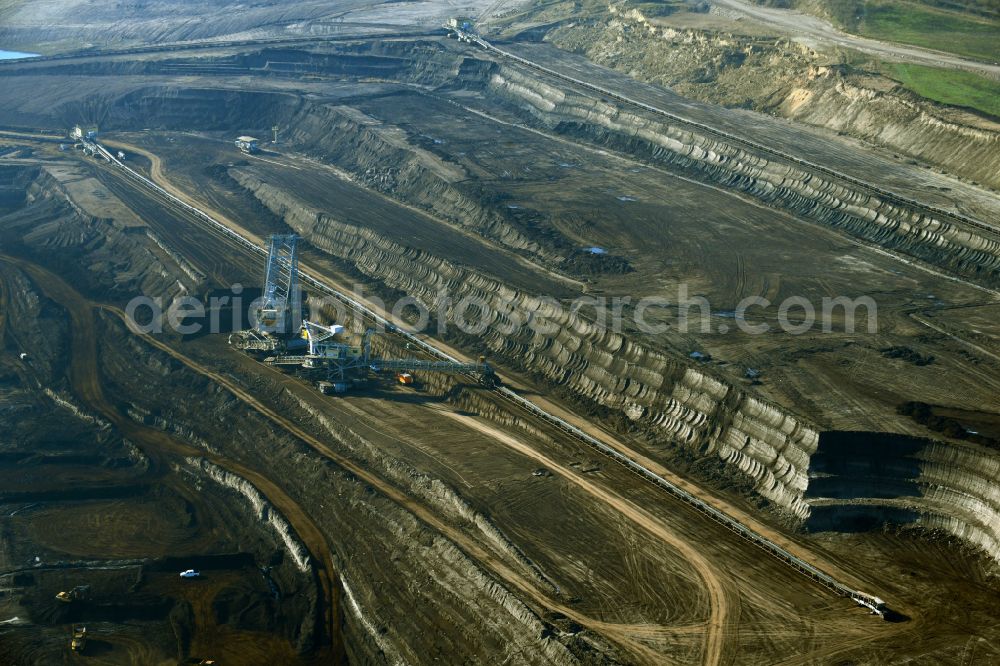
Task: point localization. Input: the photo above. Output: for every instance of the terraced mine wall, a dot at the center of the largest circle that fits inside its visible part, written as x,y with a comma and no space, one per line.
383,159
120,259
263,510
862,480
900,122
667,399
971,252
791,80
363,147
672,401
13,183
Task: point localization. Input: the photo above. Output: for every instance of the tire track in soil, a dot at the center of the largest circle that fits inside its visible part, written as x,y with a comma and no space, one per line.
717,626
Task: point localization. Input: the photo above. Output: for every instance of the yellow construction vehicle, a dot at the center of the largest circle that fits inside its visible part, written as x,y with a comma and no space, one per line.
76,594
79,641
404,378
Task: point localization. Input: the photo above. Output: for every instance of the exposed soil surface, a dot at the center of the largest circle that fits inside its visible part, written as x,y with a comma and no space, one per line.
437,522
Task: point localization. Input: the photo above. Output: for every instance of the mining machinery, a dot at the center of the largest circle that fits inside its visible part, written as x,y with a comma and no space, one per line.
277,314
336,363
317,349
281,305
78,639
78,593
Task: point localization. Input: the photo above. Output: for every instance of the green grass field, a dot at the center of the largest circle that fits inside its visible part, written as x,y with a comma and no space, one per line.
949,87
920,25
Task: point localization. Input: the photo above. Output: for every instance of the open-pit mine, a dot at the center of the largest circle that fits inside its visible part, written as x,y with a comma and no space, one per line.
513,333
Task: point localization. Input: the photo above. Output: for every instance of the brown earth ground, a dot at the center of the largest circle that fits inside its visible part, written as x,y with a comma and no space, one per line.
427,533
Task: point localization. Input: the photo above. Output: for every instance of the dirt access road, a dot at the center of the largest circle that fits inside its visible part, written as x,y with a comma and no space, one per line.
715,631
818,33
